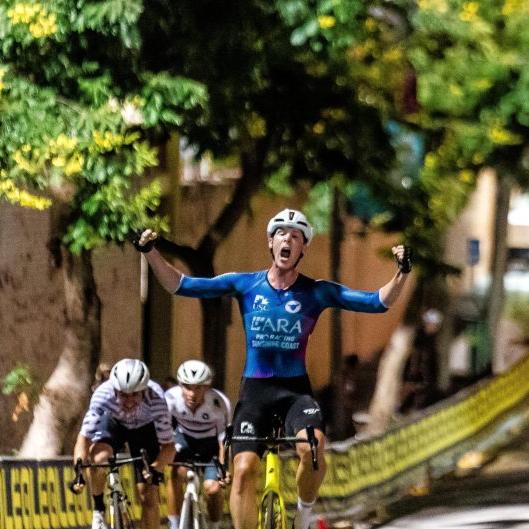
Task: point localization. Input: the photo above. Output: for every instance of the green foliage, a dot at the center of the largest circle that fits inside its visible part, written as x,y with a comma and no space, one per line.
319,206
81,115
17,380
470,58
516,309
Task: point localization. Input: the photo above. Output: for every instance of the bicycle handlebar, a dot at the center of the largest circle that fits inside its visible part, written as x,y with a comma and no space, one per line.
78,483
275,440
193,465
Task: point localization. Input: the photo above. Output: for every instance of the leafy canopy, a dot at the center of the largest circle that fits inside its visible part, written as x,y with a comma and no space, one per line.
81,115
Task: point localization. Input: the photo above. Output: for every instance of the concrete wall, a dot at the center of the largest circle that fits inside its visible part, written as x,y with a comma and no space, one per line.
475,222
32,306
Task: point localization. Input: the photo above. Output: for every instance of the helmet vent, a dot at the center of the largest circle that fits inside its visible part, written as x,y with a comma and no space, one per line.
194,372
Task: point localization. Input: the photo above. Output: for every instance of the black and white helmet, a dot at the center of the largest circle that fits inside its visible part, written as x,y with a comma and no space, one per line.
291,218
194,372
129,375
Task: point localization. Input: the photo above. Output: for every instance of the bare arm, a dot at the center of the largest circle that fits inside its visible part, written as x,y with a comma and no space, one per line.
164,457
390,292
81,448
168,276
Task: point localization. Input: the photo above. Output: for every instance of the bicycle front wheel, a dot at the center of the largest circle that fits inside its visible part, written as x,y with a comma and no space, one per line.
116,518
271,512
186,516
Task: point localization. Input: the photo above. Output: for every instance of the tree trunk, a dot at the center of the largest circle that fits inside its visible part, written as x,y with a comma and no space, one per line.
65,394
216,313
499,258
338,425
389,380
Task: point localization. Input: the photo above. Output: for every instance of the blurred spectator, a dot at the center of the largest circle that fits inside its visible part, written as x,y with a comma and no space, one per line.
102,373
327,397
420,373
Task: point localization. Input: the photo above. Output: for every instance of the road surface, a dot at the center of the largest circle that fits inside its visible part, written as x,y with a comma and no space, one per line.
497,497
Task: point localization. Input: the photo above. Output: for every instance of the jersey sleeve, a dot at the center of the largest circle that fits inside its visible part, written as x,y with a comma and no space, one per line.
224,417
97,407
209,287
339,296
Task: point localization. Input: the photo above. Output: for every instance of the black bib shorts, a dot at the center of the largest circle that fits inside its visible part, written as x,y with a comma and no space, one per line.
261,398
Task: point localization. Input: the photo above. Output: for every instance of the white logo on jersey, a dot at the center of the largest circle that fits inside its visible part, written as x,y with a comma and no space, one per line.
293,306
247,428
260,303
311,411
260,323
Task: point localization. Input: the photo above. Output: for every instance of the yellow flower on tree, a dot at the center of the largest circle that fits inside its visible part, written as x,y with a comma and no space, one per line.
40,22
74,165
14,195
326,21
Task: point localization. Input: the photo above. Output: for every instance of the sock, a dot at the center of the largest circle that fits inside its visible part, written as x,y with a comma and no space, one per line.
99,503
174,521
303,515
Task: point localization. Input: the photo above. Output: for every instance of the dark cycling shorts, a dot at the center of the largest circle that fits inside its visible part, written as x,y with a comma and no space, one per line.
262,398
113,433
198,450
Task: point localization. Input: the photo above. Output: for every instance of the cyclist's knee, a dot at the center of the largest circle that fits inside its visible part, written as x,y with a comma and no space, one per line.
246,468
211,487
100,452
179,473
304,450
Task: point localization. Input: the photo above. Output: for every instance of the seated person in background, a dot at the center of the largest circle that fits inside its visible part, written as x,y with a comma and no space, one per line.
127,408
200,415
421,371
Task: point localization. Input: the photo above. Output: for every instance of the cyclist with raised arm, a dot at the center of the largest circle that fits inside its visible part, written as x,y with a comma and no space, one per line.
127,408
200,416
279,307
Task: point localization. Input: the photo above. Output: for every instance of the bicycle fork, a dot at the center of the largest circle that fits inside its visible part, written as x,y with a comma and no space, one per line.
118,502
273,505
190,515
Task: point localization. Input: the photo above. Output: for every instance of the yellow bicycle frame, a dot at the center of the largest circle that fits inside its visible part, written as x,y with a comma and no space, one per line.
272,484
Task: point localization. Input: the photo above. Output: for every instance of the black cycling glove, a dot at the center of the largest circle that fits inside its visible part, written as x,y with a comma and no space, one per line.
405,264
143,248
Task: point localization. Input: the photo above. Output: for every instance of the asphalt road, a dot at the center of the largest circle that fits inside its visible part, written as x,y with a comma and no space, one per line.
496,497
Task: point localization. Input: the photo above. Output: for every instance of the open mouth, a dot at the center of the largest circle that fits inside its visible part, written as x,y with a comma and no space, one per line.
285,253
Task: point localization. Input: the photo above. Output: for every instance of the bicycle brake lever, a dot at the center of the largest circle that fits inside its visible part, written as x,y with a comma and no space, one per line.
77,484
147,471
221,470
313,442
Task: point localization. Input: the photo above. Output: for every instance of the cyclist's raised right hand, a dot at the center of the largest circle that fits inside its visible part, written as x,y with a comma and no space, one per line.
144,241
403,256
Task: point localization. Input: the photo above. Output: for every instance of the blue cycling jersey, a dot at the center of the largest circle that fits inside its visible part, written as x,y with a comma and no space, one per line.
278,322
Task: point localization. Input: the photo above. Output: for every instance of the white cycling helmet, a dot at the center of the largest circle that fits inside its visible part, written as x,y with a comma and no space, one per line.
291,218
129,375
194,372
